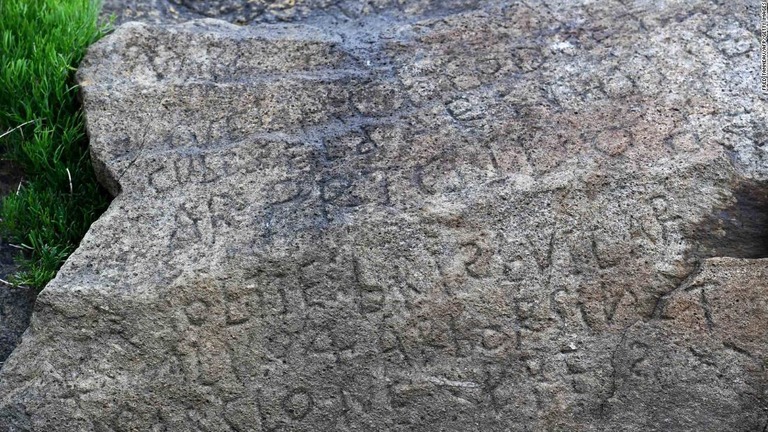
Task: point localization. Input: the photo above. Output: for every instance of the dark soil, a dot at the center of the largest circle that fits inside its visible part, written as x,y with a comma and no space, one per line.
16,304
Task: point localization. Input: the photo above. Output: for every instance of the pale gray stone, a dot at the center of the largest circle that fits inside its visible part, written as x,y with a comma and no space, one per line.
501,216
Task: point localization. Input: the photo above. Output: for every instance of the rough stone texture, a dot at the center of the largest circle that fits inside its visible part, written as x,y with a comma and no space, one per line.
16,305
241,12
517,216
329,12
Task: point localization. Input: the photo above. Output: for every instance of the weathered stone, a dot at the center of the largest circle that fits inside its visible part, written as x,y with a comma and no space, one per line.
429,216
16,305
331,12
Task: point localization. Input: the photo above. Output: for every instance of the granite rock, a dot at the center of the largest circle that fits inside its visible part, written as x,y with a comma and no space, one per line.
16,304
431,215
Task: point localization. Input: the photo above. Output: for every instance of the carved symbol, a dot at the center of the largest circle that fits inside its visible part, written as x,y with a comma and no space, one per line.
488,66
404,393
335,188
187,228
240,302
285,191
340,147
638,352
371,301
437,176
366,146
527,59
197,169
162,179
371,294
463,110
322,342
477,261
378,99
298,403
493,339
224,209
613,142
197,312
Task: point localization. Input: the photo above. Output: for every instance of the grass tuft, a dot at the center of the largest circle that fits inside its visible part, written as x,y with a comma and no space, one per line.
42,131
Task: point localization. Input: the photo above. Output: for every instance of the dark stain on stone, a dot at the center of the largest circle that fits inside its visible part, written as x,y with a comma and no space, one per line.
739,230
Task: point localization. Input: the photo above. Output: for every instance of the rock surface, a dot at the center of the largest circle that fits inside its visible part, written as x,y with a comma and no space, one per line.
16,304
453,215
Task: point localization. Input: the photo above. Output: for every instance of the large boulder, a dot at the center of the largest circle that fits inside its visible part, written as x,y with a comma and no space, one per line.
430,216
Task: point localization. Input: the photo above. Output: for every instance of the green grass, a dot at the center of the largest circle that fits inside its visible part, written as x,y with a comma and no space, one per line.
41,44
